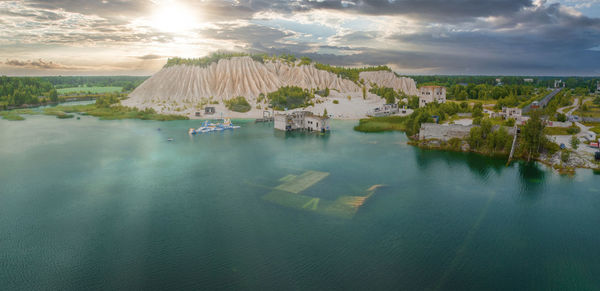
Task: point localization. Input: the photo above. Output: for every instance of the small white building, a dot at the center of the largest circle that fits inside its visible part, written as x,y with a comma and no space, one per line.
528,80
428,94
301,120
598,87
509,112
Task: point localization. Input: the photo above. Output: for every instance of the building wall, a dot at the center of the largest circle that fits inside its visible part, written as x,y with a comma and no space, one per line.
280,121
428,94
443,132
300,121
317,123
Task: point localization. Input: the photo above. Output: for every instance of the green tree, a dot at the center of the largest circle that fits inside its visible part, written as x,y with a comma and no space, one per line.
575,142
532,135
53,95
477,110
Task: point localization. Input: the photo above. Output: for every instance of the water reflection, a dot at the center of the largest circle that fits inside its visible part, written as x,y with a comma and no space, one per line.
479,165
532,178
301,134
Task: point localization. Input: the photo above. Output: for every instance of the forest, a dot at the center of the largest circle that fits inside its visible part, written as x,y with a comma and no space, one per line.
16,91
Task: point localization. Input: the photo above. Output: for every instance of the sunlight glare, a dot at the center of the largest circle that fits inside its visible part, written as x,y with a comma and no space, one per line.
171,16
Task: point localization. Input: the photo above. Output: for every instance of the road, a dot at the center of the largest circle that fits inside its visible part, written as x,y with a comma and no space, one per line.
562,109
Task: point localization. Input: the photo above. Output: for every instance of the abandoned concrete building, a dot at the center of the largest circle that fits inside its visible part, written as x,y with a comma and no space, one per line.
385,110
443,132
446,132
428,94
509,112
301,120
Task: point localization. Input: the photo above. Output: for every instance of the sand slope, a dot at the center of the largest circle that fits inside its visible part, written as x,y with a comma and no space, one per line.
241,76
180,89
390,80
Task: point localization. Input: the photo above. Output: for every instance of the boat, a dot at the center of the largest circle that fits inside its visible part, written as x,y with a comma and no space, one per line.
210,127
170,139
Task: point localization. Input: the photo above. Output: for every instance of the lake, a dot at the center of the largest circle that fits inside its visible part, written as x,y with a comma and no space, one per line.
90,204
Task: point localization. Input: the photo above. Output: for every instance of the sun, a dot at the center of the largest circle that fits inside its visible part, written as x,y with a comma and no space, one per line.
170,16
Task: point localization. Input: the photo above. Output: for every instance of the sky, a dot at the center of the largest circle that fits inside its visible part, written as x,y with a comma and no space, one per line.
413,37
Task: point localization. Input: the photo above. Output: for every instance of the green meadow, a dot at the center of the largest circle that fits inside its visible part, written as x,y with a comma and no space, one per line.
94,90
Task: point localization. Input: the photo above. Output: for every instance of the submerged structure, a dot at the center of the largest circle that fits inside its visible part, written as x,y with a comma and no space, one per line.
301,120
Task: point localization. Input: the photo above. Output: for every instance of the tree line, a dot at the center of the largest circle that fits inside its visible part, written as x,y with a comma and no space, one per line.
16,91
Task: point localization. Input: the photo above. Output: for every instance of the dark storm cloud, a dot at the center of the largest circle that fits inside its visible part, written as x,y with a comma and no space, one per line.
248,33
441,10
452,36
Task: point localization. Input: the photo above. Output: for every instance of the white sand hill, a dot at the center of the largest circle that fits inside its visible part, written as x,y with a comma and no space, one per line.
179,89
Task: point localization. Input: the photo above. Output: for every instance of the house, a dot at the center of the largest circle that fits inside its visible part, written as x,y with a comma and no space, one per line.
301,120
385,110
598,87
209,110
528,80
428,94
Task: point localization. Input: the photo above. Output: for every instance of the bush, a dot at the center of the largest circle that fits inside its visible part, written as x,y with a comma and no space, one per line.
575,142
561,117
573,130
477,110
388,93
238,104
564,156
336,102
289,97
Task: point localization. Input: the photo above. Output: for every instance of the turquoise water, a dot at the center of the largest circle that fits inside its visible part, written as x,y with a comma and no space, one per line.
88,204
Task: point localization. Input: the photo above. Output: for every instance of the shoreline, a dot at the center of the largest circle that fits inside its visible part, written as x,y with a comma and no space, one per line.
552,161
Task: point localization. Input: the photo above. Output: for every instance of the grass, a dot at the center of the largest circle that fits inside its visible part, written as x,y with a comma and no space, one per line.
104,113
15,114
593,110
115,112
93,90
8,115
561,130
380,124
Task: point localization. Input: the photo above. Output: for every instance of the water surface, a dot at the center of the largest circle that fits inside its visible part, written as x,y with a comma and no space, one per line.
89,204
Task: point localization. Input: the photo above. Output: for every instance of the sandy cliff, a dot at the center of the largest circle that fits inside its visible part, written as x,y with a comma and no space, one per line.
181,88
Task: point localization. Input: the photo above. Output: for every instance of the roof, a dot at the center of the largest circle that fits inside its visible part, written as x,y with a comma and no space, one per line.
432,87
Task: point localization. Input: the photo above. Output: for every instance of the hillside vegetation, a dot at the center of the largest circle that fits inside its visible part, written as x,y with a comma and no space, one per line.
289,97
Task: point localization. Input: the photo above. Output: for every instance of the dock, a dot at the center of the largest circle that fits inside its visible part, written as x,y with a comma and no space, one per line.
264,120
514,145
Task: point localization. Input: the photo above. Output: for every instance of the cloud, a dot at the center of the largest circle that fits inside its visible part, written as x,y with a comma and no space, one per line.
150,57
436,36
39,64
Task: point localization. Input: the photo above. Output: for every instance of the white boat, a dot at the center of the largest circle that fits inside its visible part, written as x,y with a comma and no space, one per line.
210,127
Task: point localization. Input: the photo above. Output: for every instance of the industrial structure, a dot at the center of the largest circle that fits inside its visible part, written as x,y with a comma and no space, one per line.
301,120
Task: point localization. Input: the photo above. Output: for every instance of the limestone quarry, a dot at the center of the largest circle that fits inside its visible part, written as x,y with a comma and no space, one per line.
184,89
